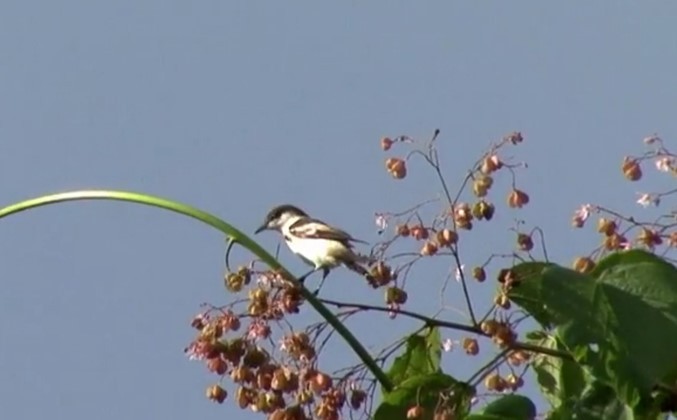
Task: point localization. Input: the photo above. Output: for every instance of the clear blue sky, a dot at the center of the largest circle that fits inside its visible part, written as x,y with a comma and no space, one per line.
237,107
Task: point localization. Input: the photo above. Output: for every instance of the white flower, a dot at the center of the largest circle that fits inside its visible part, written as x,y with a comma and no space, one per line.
448,345
263,280
651,139
381,220
665,163
582,214
646,200
284,344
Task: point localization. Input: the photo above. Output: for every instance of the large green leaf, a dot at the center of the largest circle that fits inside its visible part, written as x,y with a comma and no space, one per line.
572,392
421,356
596,402
561,381
425,391
620,321
530,291
508,407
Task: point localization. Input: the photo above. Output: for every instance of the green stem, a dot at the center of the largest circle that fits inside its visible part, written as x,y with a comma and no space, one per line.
222,226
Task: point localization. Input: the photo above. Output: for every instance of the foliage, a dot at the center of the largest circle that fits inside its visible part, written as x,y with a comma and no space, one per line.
605,348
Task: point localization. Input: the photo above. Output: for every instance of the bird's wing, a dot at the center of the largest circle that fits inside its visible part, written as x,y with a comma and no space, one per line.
306,227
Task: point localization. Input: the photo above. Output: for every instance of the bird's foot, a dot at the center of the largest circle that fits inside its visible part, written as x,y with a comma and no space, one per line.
303,277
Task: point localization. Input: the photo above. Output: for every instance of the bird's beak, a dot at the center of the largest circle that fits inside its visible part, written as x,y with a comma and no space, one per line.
261,228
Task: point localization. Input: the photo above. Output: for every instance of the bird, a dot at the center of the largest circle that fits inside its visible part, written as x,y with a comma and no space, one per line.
317,243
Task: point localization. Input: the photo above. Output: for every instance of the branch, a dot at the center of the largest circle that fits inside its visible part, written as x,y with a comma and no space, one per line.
543,350
430,322
432,158
433,322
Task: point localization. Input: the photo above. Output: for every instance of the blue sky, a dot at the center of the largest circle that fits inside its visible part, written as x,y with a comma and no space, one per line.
235,107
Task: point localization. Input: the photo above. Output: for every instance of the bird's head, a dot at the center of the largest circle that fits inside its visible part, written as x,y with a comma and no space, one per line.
278,216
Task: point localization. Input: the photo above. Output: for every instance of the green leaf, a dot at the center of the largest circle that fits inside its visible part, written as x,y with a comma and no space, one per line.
424,390
511,407
421,356
508,407
598,401
530,289
560,380
620,321
536,335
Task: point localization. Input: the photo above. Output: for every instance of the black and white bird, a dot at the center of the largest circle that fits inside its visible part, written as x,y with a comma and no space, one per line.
317,243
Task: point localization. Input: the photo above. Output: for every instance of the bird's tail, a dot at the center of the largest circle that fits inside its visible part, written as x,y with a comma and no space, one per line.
359,269
363,259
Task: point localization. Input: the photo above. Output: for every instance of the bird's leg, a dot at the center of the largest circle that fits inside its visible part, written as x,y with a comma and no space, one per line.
325,273
303,277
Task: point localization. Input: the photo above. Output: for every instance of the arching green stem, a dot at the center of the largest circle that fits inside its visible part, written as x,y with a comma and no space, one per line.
222,226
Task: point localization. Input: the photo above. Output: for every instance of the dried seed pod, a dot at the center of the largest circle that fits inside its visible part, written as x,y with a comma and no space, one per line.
517,198
583,264
631,169
216,393
386,143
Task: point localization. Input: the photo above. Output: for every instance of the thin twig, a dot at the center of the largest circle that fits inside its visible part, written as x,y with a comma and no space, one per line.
488,367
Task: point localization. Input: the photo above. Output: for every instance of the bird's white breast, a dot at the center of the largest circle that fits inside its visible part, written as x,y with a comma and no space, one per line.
317,252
